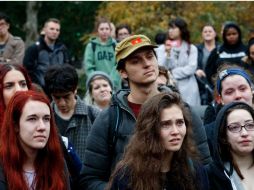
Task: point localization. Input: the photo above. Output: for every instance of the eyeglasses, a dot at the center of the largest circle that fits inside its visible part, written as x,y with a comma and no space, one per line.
237,127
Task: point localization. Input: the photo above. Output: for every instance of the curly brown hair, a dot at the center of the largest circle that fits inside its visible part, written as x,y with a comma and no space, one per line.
145,151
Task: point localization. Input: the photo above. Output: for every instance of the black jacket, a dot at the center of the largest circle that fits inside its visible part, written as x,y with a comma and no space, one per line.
40,56
225,53
98,160
200,54
99,163
216,171
121,181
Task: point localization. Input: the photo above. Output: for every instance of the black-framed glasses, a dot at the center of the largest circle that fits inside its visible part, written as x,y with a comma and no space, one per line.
237,127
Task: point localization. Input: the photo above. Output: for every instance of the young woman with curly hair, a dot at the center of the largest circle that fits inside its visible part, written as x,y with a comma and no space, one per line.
30,151
160,155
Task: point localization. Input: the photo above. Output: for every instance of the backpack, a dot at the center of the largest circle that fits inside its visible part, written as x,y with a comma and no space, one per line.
94,46
115,119
64,50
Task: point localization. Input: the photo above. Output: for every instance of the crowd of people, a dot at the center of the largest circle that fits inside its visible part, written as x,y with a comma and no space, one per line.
138,126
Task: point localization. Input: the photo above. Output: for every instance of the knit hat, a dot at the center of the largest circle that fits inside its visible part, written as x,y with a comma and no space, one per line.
131,44
96,74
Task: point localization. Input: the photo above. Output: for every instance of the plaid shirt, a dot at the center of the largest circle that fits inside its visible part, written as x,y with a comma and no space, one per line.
79,126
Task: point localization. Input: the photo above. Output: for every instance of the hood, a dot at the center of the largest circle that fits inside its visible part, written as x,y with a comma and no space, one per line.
96,40
250,43
226,27
221,116
41,41
120,97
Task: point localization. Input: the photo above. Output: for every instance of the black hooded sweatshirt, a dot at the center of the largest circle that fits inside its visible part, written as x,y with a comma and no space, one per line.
225,53
216,171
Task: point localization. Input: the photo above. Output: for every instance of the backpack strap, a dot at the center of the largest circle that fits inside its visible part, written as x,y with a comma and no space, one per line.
38,48
114,46
93,46
115,118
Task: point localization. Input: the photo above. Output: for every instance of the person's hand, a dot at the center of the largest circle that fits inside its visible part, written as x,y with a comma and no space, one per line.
200,73
168,47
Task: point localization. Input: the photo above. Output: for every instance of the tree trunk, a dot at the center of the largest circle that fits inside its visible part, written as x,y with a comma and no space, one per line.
31,25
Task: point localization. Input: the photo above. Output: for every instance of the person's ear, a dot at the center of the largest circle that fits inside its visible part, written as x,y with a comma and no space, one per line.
219,100
75,91
123,74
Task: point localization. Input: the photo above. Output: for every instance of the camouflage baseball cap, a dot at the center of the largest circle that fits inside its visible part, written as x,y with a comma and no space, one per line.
131,44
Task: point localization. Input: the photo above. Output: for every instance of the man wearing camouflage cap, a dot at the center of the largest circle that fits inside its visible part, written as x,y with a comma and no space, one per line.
137,63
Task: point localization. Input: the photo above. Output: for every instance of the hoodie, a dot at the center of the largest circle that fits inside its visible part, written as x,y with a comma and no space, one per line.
226,53
220,172
101,57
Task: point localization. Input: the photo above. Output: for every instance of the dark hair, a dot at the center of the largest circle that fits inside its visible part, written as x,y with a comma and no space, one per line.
224,147
225,30
61,79
3,16
144,153
182,25
160,38
250,43
121,26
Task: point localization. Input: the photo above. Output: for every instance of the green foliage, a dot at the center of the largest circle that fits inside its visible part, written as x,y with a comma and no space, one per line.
16,10
76,19
150,17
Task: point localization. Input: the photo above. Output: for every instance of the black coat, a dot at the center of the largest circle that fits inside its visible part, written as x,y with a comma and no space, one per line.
121,181
216,170
223,54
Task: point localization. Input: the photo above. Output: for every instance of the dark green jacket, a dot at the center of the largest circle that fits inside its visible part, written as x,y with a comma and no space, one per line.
98,161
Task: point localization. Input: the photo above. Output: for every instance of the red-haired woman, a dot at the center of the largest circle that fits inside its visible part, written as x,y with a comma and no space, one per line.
30,152
13,77
160,155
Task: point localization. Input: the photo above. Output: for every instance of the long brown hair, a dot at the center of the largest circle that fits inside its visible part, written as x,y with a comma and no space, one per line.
143,157
4,69
49,163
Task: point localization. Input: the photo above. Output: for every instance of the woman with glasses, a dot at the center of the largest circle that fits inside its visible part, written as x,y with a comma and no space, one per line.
233,166
161,154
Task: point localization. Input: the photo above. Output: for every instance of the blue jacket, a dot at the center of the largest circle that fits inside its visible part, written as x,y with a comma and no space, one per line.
40,56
